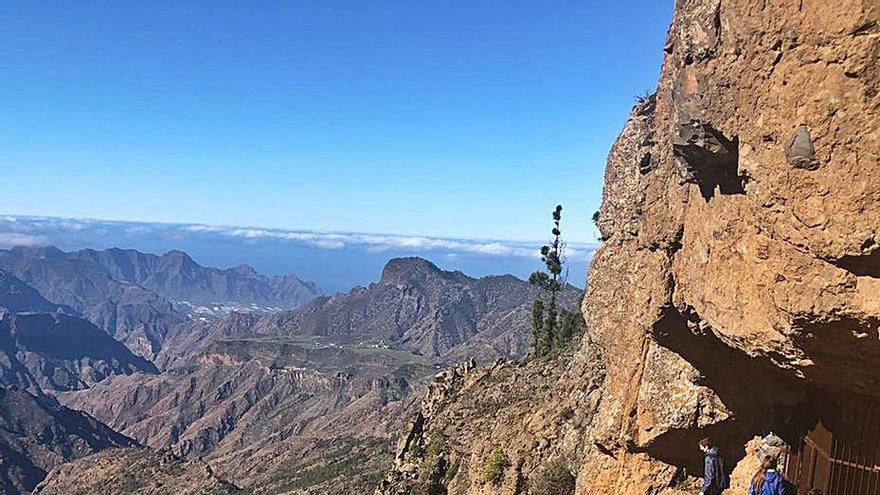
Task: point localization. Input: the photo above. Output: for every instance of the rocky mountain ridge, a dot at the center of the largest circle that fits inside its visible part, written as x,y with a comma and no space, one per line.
418,307
265,413
139,298
176,276
414,307
135,470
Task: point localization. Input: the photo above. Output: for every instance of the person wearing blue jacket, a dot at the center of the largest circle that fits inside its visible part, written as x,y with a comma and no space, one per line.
767,481
715,477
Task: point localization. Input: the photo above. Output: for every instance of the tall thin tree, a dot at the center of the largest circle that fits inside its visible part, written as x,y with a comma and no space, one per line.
544,327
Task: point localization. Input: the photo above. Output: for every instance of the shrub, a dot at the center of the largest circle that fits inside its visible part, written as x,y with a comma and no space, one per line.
431,455
495,467
452,471
555,479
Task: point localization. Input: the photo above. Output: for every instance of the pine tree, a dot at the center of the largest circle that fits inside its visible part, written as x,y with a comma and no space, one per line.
538,326
555,328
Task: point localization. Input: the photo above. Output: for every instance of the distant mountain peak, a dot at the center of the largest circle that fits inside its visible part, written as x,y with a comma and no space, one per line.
408,269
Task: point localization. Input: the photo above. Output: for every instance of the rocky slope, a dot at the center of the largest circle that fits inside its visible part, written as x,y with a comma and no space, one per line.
471,414
135,471
308,401
737,289
18,297
53,352
272,415
36,436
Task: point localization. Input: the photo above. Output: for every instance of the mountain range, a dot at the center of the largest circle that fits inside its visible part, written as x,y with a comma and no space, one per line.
415,307
139,298
275,400
18,297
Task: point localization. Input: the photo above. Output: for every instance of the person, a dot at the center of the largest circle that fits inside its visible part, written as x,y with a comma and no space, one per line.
767,481
715,477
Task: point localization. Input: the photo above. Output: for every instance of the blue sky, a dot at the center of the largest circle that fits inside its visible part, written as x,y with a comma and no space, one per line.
465,119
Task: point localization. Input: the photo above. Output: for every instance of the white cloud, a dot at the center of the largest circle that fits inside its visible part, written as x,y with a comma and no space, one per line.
329,244
13,239
203,228
372,243
138,230
379,243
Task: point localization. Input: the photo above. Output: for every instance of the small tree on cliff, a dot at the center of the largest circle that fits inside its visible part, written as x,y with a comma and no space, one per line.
552,329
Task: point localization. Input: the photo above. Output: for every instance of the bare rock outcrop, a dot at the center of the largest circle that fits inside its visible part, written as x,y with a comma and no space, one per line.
492,429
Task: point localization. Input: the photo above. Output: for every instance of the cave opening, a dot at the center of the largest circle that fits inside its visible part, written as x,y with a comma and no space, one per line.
833,436
839,454
750,387
710,159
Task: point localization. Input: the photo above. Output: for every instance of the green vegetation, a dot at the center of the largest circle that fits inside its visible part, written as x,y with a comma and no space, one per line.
452,471
431,457
645,96
495,466
555,479
414,449
553,329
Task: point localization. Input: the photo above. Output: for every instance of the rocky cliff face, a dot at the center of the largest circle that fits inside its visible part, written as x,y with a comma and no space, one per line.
54,352
740,276
738,288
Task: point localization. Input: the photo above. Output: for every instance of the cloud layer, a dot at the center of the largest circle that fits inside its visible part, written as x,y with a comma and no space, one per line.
34,231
